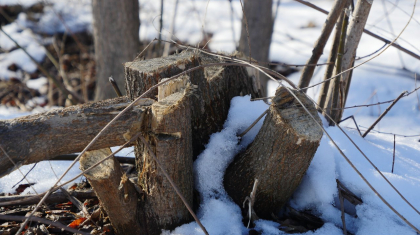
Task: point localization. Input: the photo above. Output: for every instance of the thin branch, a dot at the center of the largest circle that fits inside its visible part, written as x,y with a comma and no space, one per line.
340,151
43,70
393,157
383,114
172,184
366,31
43,221
353,67
387,133
355,123
253,124
318,49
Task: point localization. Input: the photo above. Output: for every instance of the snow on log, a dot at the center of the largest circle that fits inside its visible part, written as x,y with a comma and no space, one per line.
278,157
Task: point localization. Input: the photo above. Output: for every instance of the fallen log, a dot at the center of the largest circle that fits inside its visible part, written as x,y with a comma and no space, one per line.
278,157
46,135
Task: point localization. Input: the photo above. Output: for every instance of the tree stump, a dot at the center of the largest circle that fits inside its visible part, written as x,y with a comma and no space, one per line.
278,157
189,109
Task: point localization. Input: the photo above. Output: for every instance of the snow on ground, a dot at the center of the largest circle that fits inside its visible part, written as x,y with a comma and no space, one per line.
380,80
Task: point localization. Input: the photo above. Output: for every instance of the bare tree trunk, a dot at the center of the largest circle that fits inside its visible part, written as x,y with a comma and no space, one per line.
278,157
256,31
116,35
331,20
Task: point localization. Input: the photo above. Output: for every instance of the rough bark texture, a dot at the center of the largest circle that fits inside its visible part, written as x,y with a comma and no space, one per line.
170,137
43,136
259,17
189,109
278,157
120,203
331,20
214,88
116,35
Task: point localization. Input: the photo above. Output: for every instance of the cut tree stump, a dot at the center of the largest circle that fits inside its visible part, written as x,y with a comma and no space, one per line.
189,109
214,88
46,135
278,157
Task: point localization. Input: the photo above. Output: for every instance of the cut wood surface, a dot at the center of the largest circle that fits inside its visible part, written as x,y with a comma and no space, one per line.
278,157
214,88
189,109
171,141
43,136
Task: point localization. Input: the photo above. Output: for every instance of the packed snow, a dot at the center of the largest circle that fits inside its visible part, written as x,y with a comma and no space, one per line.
382,79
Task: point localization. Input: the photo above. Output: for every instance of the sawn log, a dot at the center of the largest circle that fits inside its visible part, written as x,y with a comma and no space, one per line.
43,136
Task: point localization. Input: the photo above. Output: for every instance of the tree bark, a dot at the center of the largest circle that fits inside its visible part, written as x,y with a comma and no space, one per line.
116,36
190,108
170,137
354,34
278,157
331,59
214,88
43,136
117,194
329,24
257,23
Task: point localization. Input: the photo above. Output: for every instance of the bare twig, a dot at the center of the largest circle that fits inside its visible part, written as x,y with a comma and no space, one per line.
403,49
355,123
43,221
383,114
43,70
24,175
115,86
343,215
152,154
318,49
252,216
253,124
393,157
335,145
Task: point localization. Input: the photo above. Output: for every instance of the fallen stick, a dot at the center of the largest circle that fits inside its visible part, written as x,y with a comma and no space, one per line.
43,221
53,198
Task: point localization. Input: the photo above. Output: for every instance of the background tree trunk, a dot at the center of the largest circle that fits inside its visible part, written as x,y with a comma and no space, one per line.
258,17
116,36
278,157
